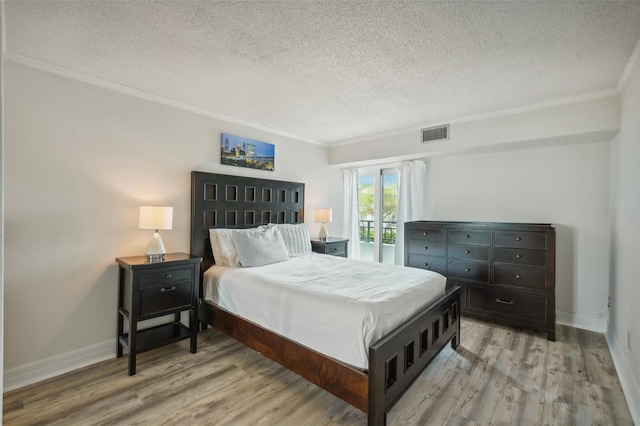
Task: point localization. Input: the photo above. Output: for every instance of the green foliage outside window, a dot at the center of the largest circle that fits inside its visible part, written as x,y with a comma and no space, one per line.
366,210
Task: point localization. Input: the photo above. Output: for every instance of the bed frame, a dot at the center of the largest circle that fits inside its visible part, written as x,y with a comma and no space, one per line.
224,201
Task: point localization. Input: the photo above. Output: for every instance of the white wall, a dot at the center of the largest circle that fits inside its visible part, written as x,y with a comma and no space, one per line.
81,159
623,333
1,207
565,185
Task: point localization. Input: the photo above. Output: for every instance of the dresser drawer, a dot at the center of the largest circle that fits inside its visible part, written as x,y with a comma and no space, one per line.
506,302
459,251
426,247
477,271
159,299
469,236
435,264
519,256
426,234
534,240
520,276
165,276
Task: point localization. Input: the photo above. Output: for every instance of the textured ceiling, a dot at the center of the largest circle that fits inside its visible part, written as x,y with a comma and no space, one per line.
334,71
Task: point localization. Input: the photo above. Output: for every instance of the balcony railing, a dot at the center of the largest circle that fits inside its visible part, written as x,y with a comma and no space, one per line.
367,231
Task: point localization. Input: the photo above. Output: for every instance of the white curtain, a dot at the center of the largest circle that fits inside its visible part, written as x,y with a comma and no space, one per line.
351,216
411,200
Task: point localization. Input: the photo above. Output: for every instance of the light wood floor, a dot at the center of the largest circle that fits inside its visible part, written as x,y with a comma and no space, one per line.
498,375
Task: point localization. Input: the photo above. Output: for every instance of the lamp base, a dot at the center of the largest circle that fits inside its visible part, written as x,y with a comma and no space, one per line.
153,258
323,234
155,250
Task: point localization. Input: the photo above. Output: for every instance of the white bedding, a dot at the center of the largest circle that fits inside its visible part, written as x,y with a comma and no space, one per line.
333,305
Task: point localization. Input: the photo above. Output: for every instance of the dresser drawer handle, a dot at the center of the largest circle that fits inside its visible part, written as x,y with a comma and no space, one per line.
467,270
518,239
168,276
506,302
166,289
518,276
467,251
426,263
467,236
518,256
425,233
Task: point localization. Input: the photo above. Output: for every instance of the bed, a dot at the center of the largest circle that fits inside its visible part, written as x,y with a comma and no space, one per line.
392,361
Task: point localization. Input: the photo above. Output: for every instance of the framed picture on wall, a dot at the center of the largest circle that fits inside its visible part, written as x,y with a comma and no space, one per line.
245,152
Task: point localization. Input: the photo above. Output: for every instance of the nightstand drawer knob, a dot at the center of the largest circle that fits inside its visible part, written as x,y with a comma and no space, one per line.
168,276
165,289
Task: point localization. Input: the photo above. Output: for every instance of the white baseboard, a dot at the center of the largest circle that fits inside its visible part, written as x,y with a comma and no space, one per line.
628,381
50,367
581,321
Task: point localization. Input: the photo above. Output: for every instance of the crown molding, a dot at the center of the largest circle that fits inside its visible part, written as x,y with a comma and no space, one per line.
74,75
629,69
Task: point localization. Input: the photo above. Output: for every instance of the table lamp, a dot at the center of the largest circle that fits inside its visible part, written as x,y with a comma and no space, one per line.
154,217
324,216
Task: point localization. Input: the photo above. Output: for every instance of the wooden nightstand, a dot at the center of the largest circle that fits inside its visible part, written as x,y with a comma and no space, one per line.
149,290
332,245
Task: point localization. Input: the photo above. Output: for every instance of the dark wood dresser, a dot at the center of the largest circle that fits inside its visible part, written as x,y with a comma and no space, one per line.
506,270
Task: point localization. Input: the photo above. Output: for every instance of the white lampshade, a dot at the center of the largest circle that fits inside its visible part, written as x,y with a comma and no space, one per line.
324,215
154,217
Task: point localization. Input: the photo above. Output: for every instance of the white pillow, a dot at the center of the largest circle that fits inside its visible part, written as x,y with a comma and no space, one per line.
224,253
296,238
258,247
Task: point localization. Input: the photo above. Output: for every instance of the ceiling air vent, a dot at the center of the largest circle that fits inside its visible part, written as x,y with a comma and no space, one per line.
438,133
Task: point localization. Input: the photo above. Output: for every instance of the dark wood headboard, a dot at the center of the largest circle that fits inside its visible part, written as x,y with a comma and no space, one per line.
225,201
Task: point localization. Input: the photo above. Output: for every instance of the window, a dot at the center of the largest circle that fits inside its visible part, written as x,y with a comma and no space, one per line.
377,205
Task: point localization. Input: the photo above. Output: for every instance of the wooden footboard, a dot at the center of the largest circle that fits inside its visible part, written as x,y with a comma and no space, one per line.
397,359
394,361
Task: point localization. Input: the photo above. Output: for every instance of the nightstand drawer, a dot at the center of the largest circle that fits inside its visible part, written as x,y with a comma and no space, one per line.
332,245
165,276
336,249
160,299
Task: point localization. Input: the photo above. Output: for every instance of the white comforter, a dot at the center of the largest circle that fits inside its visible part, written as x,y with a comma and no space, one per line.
333,305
